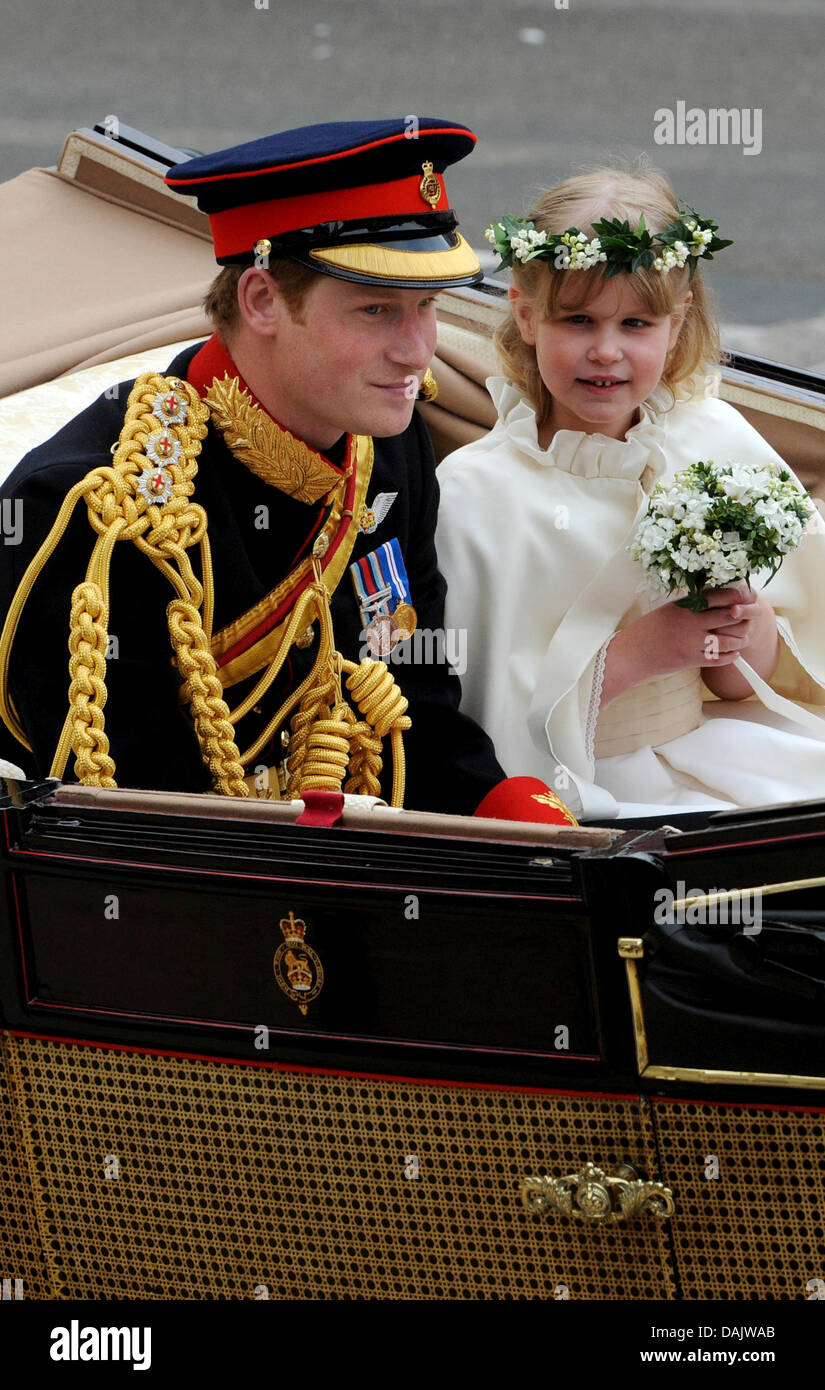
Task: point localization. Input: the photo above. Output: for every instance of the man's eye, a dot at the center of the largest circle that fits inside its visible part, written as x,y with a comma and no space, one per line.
372,309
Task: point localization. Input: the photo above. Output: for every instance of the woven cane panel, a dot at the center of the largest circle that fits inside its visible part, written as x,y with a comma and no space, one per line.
758,1229
21,1254
234,1180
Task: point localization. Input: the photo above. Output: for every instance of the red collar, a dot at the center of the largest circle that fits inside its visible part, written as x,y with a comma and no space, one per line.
213,360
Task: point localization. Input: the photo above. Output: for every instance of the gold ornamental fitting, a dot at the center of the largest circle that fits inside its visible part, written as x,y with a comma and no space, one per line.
428,390
430,185
321,546
306,638
598,1197
263,246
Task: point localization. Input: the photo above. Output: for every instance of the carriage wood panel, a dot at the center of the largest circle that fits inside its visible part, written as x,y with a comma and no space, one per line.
471,971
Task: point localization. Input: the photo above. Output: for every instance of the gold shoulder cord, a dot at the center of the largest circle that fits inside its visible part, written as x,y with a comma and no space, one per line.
146,497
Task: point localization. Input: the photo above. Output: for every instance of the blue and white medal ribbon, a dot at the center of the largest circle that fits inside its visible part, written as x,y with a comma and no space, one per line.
383,592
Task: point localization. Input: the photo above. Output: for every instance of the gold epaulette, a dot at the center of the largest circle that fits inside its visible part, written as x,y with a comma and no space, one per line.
144,496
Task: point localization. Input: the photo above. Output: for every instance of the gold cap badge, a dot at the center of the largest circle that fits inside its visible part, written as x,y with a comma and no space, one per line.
430,185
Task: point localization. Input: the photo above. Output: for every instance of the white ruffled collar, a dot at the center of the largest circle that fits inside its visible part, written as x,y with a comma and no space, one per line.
639,457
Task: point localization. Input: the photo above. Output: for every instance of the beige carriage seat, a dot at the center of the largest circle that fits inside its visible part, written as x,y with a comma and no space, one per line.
100,260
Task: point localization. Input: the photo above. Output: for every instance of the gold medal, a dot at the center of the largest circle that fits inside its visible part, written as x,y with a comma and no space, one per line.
406,619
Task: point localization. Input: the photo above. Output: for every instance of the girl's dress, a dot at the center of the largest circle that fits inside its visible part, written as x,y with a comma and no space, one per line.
533,545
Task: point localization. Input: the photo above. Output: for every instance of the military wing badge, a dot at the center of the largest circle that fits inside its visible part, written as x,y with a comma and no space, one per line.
371,517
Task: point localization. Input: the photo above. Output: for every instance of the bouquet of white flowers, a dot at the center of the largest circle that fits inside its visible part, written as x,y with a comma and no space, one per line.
715,525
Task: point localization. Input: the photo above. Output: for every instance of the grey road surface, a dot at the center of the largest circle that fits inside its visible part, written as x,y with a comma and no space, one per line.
547,85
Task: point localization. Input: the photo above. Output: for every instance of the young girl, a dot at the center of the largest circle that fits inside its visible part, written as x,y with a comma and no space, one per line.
623,704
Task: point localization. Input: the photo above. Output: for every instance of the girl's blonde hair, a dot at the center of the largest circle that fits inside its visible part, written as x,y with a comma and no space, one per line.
578,202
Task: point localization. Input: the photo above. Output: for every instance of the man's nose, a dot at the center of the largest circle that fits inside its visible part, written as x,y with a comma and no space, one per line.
414,342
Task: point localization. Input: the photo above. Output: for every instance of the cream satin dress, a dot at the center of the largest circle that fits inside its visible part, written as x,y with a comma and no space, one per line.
533,545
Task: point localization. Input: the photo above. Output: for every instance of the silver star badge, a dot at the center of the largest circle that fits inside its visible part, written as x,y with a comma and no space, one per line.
162,448
155,484
170,408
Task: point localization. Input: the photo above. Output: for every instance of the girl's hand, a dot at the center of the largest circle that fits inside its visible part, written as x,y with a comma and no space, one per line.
736,622
761,650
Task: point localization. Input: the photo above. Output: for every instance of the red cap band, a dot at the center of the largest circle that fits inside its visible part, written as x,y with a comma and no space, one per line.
237,229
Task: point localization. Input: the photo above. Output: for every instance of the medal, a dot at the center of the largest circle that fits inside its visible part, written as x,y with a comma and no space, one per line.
406,619
383,591
381,635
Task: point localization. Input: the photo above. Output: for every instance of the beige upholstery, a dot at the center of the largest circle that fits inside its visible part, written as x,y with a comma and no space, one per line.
95,276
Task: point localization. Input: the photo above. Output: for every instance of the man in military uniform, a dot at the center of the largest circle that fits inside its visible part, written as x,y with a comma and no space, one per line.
229,554
334,241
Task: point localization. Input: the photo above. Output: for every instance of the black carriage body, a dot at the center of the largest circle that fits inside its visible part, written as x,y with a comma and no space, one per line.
163,921
457,1018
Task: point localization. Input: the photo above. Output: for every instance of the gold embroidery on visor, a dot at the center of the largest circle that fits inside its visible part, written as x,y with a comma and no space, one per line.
389,263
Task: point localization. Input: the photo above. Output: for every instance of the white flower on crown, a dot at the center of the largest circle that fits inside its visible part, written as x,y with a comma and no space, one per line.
584,254
700,239
526,241
672,257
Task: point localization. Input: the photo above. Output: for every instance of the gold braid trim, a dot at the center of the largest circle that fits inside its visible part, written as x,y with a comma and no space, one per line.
165,421
88,641
327,741
385,711
216,732
360,457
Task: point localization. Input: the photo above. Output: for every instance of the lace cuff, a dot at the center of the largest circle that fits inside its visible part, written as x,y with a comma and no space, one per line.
595,703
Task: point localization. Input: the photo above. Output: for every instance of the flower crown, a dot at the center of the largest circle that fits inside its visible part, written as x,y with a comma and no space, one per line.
617,247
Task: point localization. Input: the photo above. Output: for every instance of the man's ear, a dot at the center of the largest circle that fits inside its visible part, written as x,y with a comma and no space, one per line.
260,302
677,318
524,314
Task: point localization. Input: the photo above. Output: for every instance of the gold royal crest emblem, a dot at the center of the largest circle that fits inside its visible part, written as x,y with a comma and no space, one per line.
298,970
430,185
